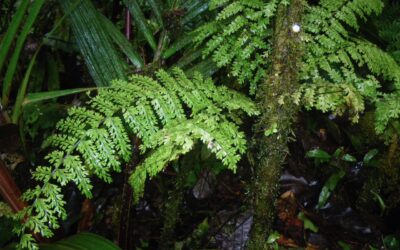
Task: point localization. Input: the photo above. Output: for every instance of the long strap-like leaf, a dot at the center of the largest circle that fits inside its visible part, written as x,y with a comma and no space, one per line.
33,13
122,42
12,30
101,57
140,21
43,96
195,11
156,6
22,90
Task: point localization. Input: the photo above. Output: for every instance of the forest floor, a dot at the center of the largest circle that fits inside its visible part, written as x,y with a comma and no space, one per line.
215,214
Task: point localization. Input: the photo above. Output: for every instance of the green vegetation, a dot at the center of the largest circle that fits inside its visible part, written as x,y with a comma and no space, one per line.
195,90
95,140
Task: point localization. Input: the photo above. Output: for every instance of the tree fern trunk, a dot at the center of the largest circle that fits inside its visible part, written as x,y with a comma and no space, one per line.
273,130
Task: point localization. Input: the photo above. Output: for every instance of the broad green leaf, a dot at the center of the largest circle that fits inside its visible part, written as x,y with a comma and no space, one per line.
319,154
12,31
140,21
338,152
349,158
12,66
308,224
329,187
84,241
391,242
371,154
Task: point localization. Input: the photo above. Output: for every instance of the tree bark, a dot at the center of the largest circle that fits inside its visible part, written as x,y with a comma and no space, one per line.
273,130
9,189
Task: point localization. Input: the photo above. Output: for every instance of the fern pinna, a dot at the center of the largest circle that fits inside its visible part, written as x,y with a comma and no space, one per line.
169,116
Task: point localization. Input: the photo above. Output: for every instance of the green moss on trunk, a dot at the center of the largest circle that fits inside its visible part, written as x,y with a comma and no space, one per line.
274,129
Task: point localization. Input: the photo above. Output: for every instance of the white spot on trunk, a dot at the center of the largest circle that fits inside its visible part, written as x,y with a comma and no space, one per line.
296,28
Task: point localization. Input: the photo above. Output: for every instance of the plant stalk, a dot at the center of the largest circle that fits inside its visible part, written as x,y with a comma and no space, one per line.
173,207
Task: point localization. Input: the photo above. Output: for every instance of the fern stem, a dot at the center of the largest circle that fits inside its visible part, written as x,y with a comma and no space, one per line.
125,217
173,207
272,149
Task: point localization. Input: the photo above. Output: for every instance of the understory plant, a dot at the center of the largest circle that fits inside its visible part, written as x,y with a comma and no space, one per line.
169,115
289,53
341,71
299,53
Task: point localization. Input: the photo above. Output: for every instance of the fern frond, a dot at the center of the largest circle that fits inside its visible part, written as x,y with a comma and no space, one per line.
239,38
217,133
95,140
348,65
379,62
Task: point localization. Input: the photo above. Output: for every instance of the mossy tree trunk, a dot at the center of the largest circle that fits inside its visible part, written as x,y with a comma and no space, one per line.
273,130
